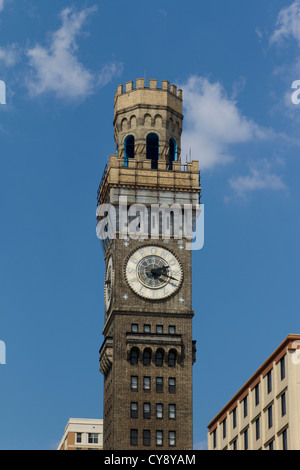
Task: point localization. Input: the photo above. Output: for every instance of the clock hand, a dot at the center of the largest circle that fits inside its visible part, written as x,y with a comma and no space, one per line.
159,272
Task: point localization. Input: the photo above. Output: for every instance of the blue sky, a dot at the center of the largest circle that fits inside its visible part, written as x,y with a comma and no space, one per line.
61,62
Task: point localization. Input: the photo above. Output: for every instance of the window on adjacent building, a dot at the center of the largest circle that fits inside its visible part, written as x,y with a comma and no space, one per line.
92,438
256,392
257,428
224,428
246,439
270,416
245,406
79,437
269,381
234,418
284,440
234,444
271,445
283,404
282,368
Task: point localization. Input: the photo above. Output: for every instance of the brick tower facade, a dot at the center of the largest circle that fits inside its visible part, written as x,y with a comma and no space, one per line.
148,353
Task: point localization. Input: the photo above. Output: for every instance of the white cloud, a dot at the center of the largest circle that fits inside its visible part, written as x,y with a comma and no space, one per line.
9,55
56,68
288,23
1,5
261,177
213,123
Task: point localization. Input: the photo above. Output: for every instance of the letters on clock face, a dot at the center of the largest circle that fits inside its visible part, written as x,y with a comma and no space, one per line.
153,272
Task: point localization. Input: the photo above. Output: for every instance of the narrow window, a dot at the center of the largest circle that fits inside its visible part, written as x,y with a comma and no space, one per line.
159,438
172,153
271,445
134,328
171,330
147,329
172,359
246,439
159,357
256,391
283,404
172,438
133,437
146,437
270,416
159,410
152,149
159,329
146,411
269,381
134,356
79,437
224,428
146,383
284,440
147,357
234,418
159,384
133,410
128,149
172,411
234,444
172,385
257,428
282,368
134,383
245,401
214,438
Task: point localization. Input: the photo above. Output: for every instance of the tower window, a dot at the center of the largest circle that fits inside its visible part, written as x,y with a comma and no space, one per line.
133,410
133,437
134,356
159,410
159,438
172,438
159,384
128,149
147,357
152,149
172,153
134,382
159,358
172,359
146,437
147,383
172,385
146,411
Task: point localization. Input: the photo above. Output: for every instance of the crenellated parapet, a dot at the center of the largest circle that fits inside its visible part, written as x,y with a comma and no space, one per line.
140,110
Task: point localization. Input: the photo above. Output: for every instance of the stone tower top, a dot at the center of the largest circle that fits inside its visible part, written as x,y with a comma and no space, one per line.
147,118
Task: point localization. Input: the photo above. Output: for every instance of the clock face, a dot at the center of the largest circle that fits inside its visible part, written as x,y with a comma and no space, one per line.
108,283
153,272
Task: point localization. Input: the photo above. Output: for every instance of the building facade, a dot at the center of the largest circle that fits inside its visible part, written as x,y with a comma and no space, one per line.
82,434
148,352
265,413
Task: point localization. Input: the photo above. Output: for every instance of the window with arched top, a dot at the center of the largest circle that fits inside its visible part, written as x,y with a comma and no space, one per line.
172,358
152,149
134,356
159,357
147,357
172,152
128,149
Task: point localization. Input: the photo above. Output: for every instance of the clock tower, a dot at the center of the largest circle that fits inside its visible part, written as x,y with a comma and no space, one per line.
148,353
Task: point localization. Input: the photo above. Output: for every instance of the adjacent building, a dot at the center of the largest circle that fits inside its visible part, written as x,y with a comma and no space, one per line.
82,434
265,413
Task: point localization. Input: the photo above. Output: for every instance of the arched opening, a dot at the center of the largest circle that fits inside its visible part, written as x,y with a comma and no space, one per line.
128,149
172,358
159,357
172,152
147,357
152,149
134,356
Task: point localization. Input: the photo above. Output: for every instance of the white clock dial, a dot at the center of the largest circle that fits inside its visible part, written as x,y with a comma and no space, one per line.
109,275
153,272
